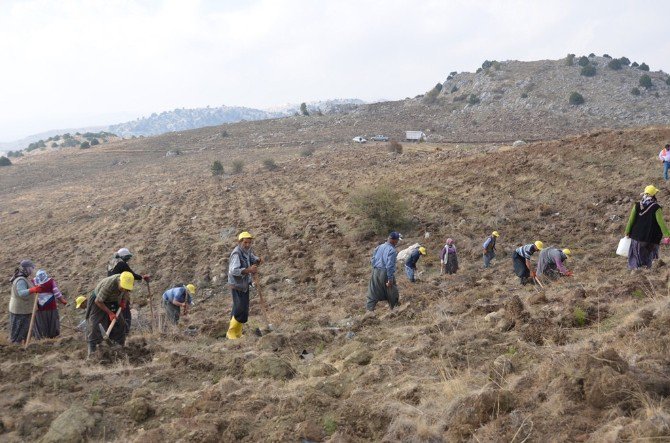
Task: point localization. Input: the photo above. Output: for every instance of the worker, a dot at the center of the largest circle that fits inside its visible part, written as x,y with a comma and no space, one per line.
449,258
242,266
382,281
111,294
410,264
551,261
664,157
81,303
47,318
489,247
646,228
21,302
175,298
119,264
521,260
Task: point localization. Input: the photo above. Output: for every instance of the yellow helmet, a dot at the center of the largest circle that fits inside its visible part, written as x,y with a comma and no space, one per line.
244,235
190,288
127,280
651,190
539,245
495,234
422,250
567,252
80,300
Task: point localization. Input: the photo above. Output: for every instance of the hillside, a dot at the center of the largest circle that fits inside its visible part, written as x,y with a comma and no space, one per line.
439,368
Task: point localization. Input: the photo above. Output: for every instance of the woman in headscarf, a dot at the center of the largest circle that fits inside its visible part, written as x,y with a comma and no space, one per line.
47,318
646,228
448,258
21,302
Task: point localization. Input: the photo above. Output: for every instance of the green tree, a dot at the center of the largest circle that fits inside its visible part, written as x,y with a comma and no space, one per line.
583,61
576,99
473,99
4,161
614,64
588,71
381,208
645,81
570,60
94,142
270,164
85,145
217,168
644,67
635,92
303,109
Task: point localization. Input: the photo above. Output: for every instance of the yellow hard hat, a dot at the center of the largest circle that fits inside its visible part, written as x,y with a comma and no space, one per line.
422,250
567,252
539,245
190,288
127,280
495,234
244,235
79,301
651,190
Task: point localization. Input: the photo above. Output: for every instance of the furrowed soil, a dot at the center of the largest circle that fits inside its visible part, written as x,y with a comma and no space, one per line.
469,357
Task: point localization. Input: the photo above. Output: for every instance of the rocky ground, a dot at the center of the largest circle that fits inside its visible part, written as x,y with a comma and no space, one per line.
469,357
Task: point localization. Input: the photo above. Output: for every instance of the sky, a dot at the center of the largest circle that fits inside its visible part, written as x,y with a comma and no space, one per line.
79,63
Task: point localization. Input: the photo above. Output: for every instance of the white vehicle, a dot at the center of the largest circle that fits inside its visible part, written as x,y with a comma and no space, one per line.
359,139
415,136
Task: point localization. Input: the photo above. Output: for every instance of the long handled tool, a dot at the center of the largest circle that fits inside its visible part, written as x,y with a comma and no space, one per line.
105,334
262,302
151,307
537,279
32,322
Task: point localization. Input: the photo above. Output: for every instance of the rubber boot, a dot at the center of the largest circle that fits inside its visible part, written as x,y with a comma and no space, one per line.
234,330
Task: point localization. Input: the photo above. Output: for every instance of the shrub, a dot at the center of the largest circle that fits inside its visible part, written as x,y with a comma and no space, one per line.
644,67
431,96
70,143
455,88
570,60
217,168
394,147
238,166
473,99
54,145
588,71
624,61
591,55
4,161
478,70
576,98
580,316
635,91
614,64
487,64
85,145
667,81
224,133
95,142
524,95
634,65
303,109
607,56
583,61
645,81
451,75
270,164
15,154
307,151
381,208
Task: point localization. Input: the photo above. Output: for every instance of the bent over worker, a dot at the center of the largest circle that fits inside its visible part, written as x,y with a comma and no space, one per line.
175,298
410,264
382,281
489,247
111,293
521,260
242,266
551,261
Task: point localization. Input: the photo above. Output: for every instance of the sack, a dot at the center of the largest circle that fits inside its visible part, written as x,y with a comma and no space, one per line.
624,247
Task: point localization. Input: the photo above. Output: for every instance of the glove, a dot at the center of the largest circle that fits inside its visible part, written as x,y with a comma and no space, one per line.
146,277
568,274
35,289
123,304
112,316
666,241
533,274
62,300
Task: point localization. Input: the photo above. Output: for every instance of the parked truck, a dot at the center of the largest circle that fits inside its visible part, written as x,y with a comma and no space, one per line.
415,136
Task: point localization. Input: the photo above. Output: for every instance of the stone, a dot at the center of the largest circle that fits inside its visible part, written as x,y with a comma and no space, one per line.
269,366
71,426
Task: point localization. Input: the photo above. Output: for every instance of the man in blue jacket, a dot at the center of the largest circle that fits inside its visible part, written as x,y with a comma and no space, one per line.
410,264
382,282
175,298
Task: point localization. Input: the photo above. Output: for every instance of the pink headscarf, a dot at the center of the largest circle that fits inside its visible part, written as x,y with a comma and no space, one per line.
450,241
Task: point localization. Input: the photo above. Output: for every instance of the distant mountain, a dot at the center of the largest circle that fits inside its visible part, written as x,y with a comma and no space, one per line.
26,141
327,106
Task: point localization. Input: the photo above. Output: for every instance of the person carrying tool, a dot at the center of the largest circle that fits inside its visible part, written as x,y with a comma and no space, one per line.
449,258
242,266
111,293
489,247
646,228
382,281
410,264
21,302
47,318
119,264
551,261
175,298
521,261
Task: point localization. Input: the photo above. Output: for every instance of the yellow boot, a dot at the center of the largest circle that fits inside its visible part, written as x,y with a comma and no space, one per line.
234,330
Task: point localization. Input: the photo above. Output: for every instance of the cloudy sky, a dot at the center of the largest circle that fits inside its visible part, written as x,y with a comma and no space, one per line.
76,63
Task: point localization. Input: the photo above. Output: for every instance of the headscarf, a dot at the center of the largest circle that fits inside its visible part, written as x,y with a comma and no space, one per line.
450,241
646,201
24,270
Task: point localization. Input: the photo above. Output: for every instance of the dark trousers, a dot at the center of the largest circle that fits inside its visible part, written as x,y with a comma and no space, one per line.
94,335
377,290
240,305
172,311
520,268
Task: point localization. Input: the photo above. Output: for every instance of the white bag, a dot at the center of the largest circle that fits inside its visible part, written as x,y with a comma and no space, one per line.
624,247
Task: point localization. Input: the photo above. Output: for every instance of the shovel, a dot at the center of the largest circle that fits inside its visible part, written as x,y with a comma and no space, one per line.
32,322
105,334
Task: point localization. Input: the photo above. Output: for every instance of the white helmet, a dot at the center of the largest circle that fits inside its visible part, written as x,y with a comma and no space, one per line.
123,253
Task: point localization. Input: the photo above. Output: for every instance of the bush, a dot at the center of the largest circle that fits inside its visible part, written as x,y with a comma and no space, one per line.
15,154
644,67
588,71
4,161
645,81
431,96
583,61
54,145
486,65
85,145
576,98
270,164
307,151
238,166
303,109
635,91
580,316
70,143
95,142
473,99
478,70
667,81
570,60
624,61
216,168
524,95
634,65
591,55
614,64
607,56
224,133
394,147
381,208
454,89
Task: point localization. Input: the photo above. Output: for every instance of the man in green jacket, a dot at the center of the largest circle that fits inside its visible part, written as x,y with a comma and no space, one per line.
111,294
